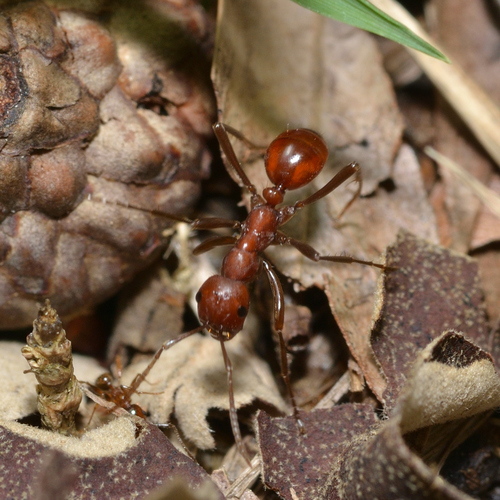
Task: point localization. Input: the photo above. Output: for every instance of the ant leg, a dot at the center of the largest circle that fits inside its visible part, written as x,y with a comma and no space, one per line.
141,377
309,252
169,425
212,242
202,223
279,319
236,133
215,223
233,416
91,415
221,132
159,213
353,169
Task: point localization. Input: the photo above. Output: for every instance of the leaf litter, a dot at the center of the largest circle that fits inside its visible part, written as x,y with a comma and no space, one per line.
353,449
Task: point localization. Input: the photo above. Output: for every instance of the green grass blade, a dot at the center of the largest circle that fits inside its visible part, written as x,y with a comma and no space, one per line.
364,15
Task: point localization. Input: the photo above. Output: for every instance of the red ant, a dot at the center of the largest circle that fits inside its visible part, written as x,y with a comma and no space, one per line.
292,161
119,396
116,397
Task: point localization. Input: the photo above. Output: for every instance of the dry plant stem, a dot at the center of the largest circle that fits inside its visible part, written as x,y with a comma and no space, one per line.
487,196
49,355
469,100
334,395
245,479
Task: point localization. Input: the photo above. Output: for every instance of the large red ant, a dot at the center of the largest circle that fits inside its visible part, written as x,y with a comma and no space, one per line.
292,160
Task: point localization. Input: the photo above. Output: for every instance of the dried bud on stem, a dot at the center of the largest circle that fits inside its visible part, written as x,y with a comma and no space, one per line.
49,355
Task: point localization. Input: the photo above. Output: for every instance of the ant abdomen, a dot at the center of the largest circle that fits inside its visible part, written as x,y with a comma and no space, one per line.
295,158
223,306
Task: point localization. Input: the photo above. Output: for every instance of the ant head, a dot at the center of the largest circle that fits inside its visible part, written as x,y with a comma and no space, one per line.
223,306
295,158
104,381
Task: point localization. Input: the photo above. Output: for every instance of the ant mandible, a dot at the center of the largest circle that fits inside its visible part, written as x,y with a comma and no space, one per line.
292,161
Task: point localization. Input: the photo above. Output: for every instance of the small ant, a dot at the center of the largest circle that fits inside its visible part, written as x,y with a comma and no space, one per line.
116,398
292,161
119,396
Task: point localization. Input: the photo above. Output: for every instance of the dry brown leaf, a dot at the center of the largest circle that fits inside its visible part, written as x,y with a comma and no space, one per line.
373,223
468,35
150,311
487,228
451,388
488,262
447,394
191,378
292,460
278,65
432,290
462,206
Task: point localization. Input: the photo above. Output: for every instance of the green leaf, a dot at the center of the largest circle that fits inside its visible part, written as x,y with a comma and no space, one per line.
364,15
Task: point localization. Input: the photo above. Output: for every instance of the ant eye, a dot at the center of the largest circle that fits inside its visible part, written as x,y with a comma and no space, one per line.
198,296
242,311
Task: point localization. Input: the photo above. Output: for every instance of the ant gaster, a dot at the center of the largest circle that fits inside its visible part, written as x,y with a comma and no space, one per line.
292,160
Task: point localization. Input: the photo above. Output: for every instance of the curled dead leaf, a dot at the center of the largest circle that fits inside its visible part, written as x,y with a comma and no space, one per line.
451,389
433,289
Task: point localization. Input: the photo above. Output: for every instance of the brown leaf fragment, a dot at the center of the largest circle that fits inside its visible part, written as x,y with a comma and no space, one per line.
300,461
56,478
380,465
487,228
123,459
451,389
150,312
372,224
432,290
468,35
49,355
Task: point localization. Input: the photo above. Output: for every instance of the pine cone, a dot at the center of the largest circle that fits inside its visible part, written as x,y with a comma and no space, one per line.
95,108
